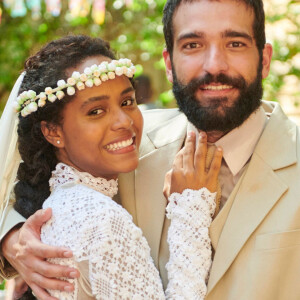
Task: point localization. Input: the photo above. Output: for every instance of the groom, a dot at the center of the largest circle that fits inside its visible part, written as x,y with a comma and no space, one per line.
216,58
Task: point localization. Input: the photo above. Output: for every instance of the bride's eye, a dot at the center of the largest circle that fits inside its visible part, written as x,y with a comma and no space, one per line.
95,112
128,102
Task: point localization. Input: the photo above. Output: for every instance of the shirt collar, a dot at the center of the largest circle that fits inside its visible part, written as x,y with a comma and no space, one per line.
238,145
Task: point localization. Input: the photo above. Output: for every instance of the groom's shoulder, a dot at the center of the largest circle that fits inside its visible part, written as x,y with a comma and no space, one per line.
157,117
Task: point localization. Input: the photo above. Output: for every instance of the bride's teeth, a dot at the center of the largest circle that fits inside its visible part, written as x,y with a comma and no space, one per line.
119,145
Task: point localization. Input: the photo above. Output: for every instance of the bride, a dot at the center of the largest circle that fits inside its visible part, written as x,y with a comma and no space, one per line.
79,127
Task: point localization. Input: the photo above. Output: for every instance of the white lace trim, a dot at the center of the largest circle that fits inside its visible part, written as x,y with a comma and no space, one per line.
101,232
189,243
65,174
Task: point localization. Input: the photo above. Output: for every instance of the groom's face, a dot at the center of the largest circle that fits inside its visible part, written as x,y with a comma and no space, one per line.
216,68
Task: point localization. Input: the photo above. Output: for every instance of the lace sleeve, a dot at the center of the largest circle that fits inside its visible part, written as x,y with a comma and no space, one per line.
120,265
188,237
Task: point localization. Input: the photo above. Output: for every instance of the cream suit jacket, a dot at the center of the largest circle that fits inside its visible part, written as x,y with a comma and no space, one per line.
256,236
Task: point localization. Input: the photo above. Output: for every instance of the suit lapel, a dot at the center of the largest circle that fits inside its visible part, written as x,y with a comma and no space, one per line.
146,202
126,191
259,190
217,225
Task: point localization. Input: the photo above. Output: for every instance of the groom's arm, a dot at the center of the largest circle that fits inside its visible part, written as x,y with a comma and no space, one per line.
26,253
12,221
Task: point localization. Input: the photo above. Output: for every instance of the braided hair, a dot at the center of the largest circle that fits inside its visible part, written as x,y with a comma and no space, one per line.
43,70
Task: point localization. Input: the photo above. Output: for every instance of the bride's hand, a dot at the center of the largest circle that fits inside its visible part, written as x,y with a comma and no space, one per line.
188,171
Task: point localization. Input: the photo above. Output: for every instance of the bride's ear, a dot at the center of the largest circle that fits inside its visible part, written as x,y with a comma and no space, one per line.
53,134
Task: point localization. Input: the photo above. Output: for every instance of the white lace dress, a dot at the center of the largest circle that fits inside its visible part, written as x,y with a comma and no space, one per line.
110,251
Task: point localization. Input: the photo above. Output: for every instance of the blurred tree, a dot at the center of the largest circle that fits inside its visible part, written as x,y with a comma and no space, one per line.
283,31
135,31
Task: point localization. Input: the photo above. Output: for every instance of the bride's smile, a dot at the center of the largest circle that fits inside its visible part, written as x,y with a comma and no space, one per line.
101,127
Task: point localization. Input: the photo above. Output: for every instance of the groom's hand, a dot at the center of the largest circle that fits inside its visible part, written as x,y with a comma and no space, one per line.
27,254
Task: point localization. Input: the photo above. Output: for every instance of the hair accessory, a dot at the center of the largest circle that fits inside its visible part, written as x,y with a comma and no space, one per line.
28,101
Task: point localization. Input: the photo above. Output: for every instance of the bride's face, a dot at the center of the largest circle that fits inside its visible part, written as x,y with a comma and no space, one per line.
102,127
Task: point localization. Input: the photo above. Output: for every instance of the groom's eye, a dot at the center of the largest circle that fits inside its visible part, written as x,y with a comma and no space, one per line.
193,45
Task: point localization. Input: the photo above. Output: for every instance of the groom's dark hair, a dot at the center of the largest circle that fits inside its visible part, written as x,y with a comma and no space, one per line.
258,23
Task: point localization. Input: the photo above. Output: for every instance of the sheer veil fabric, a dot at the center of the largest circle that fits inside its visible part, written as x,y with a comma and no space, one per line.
9,154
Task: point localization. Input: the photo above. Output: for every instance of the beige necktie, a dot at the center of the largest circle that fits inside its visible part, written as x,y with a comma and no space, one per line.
209,157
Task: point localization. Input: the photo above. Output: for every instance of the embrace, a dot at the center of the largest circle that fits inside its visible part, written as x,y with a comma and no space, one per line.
200,202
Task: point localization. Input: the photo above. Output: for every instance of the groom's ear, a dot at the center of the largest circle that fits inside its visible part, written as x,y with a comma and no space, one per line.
167,59
53,134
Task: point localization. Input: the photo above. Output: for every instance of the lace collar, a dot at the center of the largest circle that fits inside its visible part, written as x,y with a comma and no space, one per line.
66,174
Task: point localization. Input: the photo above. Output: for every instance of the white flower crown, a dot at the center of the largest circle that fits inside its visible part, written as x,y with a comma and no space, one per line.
26,102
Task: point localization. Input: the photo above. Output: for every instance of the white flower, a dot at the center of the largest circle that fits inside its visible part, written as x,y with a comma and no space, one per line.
97,81
83,77
48,90
32,107
43,96
119,71
61,83
87,71
94,67
111,67
129,73
71,81
24,112
122,61
75,75
127,62
111,75
60,95
104,77
41,102
96,72
80,85
102,68
133,69
70,91
23,96
31,94
89,83
52,98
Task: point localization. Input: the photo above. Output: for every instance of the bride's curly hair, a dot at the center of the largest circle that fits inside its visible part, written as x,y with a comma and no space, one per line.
43,70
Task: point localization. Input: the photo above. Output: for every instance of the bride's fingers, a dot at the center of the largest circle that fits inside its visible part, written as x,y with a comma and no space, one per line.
200,154
215,166
189,151
178,161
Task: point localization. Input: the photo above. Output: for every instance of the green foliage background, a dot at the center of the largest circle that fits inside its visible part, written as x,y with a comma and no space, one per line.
136,32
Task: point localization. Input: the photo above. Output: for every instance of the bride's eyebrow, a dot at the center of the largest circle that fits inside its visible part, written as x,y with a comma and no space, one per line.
94,99
104,97
129,89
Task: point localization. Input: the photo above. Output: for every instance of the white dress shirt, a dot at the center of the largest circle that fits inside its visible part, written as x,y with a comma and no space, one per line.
238,146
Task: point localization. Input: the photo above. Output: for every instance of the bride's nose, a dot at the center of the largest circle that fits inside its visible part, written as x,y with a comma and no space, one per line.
121,120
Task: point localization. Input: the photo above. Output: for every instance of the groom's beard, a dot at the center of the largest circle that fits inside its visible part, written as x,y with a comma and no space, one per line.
218,116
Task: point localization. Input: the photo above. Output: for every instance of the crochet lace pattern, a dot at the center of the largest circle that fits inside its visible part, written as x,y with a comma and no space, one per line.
102,233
